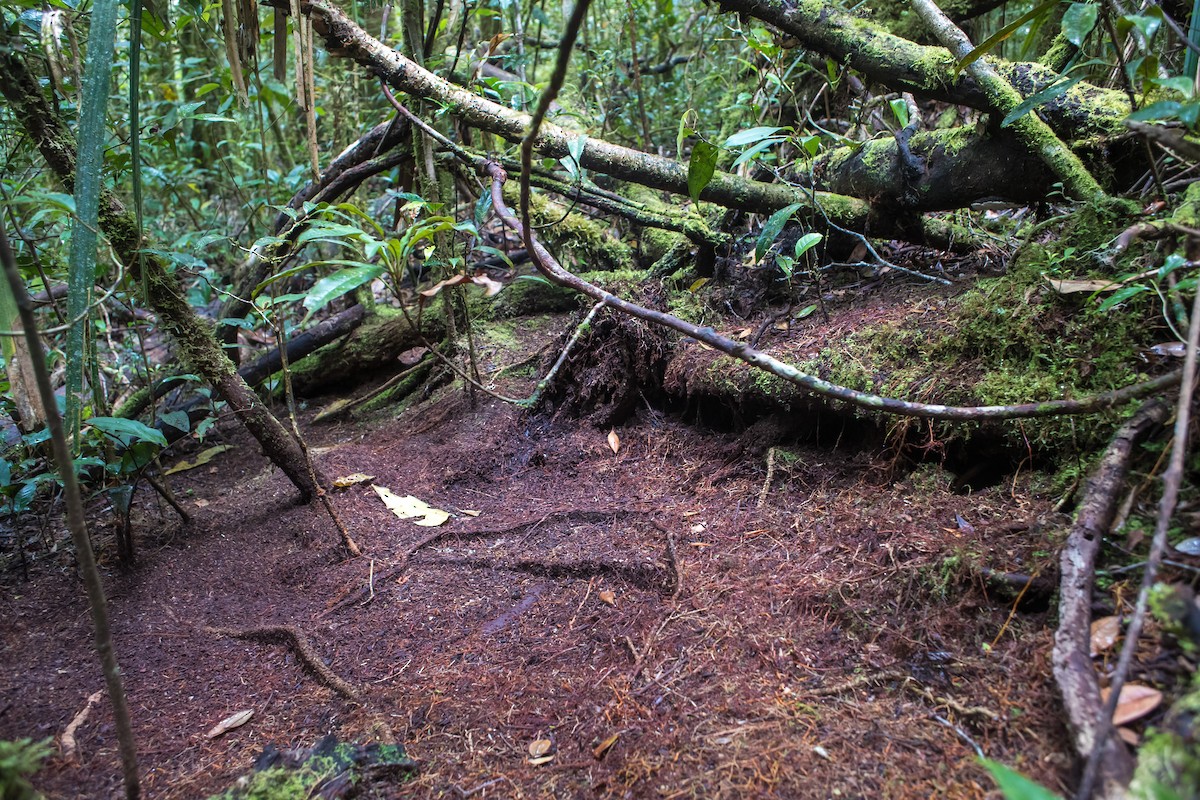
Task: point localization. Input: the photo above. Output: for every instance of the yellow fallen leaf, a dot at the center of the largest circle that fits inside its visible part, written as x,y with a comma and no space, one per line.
1135,702
614,441
229,723
607,597
200,460
410,508
352,479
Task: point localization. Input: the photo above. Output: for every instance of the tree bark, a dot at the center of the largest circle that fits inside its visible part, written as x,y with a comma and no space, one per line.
198,348
1083,112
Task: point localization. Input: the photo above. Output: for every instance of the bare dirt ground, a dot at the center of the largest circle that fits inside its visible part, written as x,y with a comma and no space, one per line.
834,640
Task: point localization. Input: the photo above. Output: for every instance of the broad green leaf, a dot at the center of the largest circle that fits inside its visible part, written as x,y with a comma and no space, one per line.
1041,98
701,168
1178,83
1016,786
900,110
1147,24
1163,109
755,149
127,431
1122,295
806,242
334,286
806,311
1008,30
771,228
751,135
177,419
1078,22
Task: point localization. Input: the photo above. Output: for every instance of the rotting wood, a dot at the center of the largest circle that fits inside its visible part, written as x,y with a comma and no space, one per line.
296,639
1073,670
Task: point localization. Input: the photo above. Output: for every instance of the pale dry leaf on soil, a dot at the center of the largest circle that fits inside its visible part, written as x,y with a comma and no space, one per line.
608,597
229,723
1135,702
1104,634
1072,286
353,479
410,508
540,747
614,441
202,458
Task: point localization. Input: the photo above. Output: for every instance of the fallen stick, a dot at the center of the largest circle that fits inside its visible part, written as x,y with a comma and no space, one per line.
1073,670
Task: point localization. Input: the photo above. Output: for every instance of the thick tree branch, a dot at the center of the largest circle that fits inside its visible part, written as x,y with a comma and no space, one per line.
1003,99
1083,112
554,271
343,37
1073,670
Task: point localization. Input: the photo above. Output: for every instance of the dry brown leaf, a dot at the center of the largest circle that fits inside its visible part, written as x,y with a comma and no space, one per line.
1129,737
599,750
412,356
540,747
607,597
1104,634
614,441
453,280
541,760
491,286
1135,702
229,723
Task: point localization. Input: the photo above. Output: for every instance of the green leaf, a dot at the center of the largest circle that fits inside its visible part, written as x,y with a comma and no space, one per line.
334,286
1016,786
753,150
1121,295
1163,109
806,242
1041,98
1008,30
127,431
806,311
772,227
178,420
701,168
751,135
900,110
1078,22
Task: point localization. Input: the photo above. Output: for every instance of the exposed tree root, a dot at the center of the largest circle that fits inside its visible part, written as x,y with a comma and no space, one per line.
294,638
1073,668
70,747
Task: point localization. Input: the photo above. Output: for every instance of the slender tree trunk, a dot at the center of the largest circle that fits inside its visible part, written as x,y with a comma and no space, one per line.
198,348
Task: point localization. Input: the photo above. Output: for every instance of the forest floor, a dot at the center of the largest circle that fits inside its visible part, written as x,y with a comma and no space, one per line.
678,618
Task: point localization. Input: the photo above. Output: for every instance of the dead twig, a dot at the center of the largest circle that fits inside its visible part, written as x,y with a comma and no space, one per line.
1166,509
1073,670
296,639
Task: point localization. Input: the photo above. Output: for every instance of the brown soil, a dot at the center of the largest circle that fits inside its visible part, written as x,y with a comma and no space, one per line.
835,641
